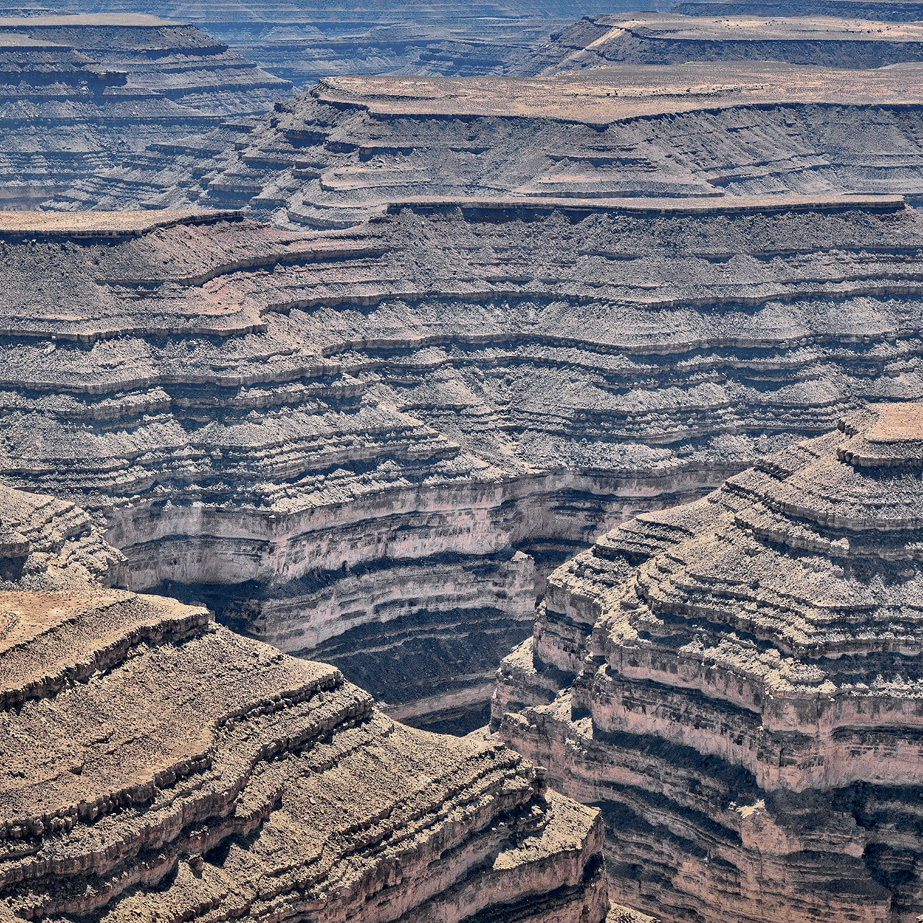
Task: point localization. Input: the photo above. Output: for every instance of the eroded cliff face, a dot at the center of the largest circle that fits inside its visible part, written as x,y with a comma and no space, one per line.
737,684
82,96
156,767
372,447
308,39
353,146
671,38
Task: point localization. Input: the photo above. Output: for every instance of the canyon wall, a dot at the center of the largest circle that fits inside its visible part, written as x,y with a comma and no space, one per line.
83,96
306,40
372,446
156,767
673,38
353,146
737,684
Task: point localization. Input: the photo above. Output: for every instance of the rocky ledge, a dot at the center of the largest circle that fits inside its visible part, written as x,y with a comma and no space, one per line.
371,447
671,38
83,96
353,146
738,683
156,767
309,39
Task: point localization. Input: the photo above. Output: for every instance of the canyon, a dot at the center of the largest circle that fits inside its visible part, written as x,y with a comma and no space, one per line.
186,773
371,447
307,40
352,147
736,683
488,349
82,95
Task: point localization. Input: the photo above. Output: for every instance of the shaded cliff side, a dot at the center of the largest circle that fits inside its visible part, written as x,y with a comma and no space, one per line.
737,684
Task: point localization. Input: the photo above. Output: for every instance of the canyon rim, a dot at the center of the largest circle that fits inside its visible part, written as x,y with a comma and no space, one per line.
461,463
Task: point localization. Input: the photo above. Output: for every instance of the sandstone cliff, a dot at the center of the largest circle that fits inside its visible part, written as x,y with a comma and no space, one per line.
371,447
351,147
156,767
737,683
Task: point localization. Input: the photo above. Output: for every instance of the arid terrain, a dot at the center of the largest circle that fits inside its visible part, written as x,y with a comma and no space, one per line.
305,40
352,146
461,464
371,449
82,95
736,682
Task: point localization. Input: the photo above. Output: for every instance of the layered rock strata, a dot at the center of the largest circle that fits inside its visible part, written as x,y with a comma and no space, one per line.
353,146
672,38
877,10
83,97
737,683
155,766
306,40
176,61
370,447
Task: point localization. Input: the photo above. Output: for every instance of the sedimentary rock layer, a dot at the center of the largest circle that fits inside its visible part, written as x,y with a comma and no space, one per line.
177,61
156,767
353,145
306,40
878,10
83,95
48,544
371,446
738,683
671,38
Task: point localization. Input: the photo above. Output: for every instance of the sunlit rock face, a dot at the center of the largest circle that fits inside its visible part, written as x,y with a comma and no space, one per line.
354,146
671,38
372,447
154,766
738,683
877,10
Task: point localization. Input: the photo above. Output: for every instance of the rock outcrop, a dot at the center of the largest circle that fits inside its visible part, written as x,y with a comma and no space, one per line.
174,60
353,146
370,447
156,767
672,38
738,683
83,97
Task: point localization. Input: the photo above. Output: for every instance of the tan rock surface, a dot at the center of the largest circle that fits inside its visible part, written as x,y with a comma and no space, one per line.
737,683
354,146
671,38
154,766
